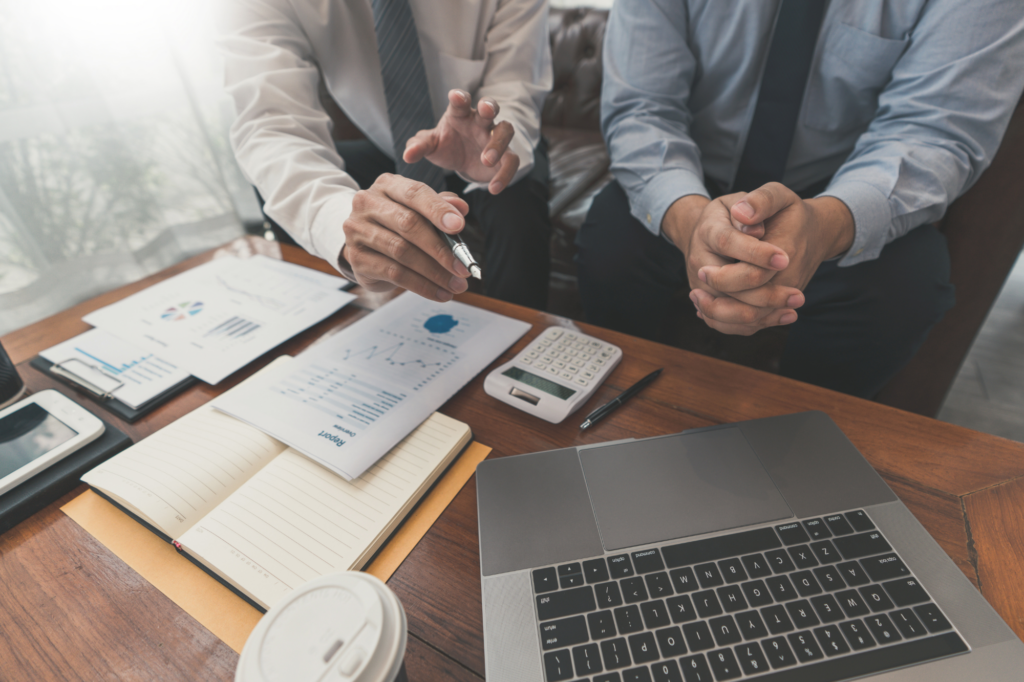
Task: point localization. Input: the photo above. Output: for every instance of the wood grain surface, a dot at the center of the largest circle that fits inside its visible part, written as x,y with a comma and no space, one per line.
73,611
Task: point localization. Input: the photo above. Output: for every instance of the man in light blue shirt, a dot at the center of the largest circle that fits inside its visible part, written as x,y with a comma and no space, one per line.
904,106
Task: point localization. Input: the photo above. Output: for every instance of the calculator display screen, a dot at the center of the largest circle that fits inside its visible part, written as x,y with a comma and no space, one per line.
539,382
27,434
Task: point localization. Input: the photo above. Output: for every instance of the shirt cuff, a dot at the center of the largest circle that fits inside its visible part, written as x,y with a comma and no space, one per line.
653,202
872,219
327,236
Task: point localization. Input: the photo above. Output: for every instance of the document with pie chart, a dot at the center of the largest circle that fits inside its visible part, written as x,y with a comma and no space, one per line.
219,316
352,397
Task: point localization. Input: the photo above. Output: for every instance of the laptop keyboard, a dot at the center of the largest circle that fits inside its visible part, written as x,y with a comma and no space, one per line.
818,600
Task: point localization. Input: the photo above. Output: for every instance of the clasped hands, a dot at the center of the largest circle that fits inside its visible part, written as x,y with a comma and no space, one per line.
749,257
390,238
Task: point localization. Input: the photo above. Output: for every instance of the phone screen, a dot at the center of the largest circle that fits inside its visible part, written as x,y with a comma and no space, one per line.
28,434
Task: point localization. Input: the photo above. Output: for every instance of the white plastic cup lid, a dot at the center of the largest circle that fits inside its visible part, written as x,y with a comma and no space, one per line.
343,627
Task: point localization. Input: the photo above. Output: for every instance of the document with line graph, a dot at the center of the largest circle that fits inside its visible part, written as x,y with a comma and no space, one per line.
259,515
347,400
218,317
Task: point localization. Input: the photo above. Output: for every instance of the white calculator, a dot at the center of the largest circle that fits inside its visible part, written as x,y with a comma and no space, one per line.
555,374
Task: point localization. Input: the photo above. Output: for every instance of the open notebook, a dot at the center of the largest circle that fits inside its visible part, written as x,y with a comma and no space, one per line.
260,516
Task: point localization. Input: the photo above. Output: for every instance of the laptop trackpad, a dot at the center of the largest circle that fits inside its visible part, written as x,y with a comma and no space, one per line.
678,486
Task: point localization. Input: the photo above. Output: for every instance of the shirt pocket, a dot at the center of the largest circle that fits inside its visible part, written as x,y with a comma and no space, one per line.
842,94
457,72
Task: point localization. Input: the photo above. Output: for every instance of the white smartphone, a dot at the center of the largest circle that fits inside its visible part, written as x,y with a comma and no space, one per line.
41,430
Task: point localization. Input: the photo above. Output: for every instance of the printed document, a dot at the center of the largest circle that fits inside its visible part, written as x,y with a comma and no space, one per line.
349,399
218,317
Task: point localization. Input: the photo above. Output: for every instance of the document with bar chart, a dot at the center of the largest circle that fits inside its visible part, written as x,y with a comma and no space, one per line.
217,317
349,399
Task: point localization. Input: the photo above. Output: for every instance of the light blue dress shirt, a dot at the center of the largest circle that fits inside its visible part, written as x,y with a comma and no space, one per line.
906,102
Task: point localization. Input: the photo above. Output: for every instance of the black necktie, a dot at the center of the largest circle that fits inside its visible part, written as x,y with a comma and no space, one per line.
405,85
782,90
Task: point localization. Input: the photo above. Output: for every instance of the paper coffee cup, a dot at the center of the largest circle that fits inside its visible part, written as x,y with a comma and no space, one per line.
344,627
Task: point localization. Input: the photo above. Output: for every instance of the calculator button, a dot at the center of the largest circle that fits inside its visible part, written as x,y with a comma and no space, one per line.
582,382
545,343
572,369
577,362
599,361
595,344
553,370
570,336
588,375
593,368
559,364
544,359
532,354
565,375
538,348
572,352
526,361
553,333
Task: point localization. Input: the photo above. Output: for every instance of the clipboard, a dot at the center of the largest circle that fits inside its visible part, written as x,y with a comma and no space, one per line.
73,372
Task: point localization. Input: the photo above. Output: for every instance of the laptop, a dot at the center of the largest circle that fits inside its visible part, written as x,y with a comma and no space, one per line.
766,550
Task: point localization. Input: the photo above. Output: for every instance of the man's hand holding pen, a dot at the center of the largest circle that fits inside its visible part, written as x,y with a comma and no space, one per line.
402,233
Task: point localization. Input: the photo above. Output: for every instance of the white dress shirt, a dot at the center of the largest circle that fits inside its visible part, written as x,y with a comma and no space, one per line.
281,136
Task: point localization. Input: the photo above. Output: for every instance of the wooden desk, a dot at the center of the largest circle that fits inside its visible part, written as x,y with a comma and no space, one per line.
70,610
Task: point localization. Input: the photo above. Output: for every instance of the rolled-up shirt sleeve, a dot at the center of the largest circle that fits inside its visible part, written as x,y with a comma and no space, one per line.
648,71
281,135
939,122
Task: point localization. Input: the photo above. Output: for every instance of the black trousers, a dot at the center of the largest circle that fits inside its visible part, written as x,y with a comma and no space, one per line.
858,327
515,223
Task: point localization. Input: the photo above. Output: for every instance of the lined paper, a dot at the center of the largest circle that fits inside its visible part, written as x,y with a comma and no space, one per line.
295,520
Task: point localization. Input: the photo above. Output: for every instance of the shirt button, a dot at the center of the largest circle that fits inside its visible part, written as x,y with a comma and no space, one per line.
859,252
648,217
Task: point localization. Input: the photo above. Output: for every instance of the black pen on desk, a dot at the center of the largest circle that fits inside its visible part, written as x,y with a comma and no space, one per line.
461,252
607,408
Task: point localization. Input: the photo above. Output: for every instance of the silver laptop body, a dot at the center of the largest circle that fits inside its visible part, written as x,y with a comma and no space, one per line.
672,505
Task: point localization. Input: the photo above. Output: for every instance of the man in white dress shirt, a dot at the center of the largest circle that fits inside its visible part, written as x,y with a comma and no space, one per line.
342,201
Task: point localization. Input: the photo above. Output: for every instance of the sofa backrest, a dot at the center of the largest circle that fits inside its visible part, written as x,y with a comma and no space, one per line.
576,39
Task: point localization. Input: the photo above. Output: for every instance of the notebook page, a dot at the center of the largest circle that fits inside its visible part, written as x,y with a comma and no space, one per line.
180,473
295,520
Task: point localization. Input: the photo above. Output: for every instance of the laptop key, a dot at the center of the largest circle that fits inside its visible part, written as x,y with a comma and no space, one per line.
832,640
805,583
792,533
732,599
596,571
861,545
670,641
707,603
725,665
558,665
817,529
905,591
570,569
857,634
908,624
838,524
853,604
620,566
882,628
779,561
695,669
643,647
778,653
698,636
587,660
725,631
805,647
756,565
932,618
545,580
684,580
830,578
825,552
780,587
608,595
666,671
802,556
633,590
636,675
708,575
885,567
732,570
658,584
567,581
853,574
655,614
757,593
628,620
567,603
602,625
860,521
647,561
751,626
615,653
777,620
876,598
563,633
608,677
827,608
751,658
802,614
680,609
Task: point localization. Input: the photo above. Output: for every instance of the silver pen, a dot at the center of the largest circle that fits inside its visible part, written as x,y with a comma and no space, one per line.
461,252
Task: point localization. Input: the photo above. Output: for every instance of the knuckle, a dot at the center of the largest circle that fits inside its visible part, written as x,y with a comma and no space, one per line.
397,247
392,272
413,190
406,221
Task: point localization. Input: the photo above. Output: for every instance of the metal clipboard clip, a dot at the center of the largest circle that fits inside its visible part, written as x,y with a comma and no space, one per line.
89,377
